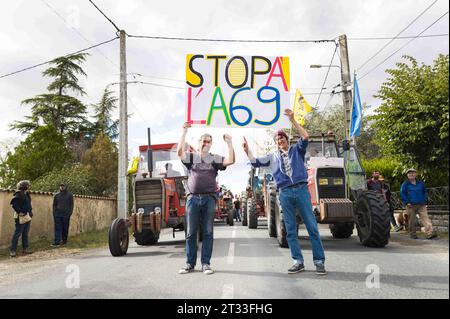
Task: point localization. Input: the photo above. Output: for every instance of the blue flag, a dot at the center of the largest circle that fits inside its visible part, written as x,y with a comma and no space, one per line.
356,110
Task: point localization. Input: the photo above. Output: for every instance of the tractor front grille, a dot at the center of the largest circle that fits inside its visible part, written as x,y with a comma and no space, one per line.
149,195
331,182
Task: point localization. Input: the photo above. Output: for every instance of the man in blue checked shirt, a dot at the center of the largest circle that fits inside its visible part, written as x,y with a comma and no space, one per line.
288,168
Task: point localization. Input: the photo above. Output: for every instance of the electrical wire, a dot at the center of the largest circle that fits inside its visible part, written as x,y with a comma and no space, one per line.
326,76
226,40
77,32
400,38
382,62
115,26
46,62
404,29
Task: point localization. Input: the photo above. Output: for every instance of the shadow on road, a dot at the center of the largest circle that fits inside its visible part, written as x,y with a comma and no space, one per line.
401,281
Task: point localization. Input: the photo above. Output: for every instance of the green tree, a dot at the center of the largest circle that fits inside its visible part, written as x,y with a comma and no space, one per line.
101,161
103,123
412,122
42,151
58,108
332,119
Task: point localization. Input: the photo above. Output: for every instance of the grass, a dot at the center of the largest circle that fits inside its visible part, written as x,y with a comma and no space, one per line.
89,240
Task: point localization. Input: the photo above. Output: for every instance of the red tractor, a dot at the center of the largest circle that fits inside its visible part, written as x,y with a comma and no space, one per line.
159,199
225,209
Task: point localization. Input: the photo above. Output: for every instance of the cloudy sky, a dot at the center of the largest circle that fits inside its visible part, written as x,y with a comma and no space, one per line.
40,30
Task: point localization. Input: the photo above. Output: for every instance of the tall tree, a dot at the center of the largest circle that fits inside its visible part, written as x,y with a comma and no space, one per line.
58,108
42,151
101,161
103,123
413,120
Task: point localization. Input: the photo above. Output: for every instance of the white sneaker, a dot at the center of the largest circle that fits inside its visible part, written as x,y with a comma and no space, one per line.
207,270
186,269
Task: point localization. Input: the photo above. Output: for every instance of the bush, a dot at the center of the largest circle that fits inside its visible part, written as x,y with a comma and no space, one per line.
76,178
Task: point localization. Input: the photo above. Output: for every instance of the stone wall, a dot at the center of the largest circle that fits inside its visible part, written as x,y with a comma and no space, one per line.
90,213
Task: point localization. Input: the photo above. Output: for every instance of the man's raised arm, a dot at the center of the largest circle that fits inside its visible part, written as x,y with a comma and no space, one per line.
181,152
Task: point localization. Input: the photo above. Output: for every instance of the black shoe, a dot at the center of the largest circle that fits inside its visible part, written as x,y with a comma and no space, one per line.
414,236
297,267
434,235
56,245
320,269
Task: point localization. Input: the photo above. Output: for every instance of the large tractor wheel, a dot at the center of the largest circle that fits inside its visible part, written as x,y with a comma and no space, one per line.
372,219
118,237
244,210
271,224
252,214
146,237
342,230
230,217
281,229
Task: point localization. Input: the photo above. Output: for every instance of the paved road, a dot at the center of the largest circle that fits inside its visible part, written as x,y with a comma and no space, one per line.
248,264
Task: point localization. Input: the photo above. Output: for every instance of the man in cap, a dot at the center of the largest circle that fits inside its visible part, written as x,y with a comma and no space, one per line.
62,210
288,169
414,195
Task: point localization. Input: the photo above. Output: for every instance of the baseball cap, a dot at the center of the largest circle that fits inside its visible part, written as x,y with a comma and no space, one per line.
410,170
281,133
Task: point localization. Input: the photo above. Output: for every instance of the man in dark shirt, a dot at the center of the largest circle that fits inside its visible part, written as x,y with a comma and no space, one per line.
201,202
374,183
62,210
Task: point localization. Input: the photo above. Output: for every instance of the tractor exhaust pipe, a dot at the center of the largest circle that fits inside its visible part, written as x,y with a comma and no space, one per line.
149,154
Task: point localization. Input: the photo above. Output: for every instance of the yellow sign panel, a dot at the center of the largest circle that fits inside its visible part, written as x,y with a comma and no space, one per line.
338,181
323,181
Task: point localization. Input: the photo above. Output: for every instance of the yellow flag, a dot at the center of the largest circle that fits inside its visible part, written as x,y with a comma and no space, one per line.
301,107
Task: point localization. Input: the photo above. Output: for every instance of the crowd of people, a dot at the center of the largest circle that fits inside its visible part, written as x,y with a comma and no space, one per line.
287,165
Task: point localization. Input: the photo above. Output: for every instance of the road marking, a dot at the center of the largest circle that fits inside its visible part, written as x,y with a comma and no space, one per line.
233,234
230,258
228,291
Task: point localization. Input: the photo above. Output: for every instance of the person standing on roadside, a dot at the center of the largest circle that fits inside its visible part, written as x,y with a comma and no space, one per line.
23,212
62,210
415,197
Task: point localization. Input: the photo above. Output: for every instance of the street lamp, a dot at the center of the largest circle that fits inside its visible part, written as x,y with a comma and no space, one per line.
318,66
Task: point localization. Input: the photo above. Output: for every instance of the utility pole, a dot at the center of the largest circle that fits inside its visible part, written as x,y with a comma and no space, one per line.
122,189
345,83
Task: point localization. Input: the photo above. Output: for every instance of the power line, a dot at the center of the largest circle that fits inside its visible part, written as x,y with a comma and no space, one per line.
226,40
400,38
403,46
115,26
46,62
415,19
326,76
75,30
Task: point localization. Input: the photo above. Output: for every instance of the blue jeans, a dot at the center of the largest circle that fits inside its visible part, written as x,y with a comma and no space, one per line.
200,209
237,214
299,197
21,230
61,229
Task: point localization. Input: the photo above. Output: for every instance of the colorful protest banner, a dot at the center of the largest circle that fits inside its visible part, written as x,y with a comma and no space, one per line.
237,91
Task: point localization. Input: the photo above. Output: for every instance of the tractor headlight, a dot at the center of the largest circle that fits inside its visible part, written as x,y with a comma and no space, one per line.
158,210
